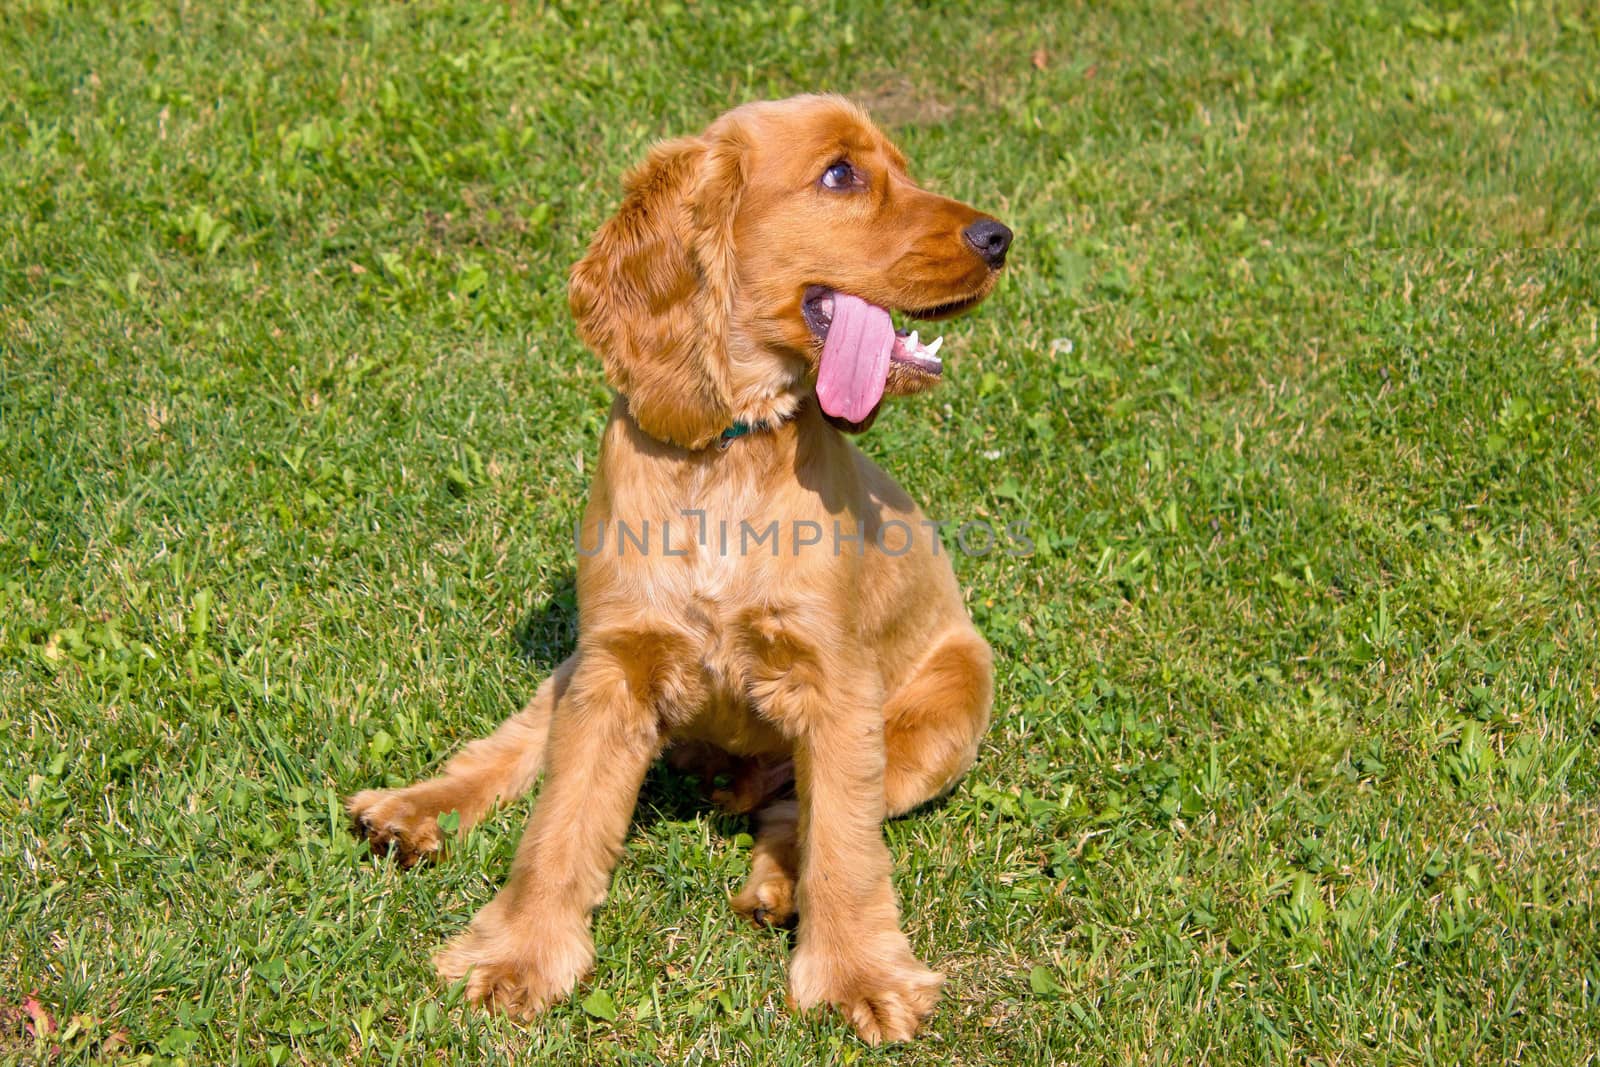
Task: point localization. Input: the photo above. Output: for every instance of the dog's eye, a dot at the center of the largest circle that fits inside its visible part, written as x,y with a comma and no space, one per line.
840,175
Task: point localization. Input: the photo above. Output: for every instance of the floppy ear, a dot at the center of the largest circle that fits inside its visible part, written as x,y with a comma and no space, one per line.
654,295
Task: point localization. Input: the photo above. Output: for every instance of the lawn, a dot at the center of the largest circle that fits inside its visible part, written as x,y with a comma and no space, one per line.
1293,375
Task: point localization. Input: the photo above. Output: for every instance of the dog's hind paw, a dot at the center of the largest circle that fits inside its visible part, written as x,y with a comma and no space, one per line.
767,900
393,824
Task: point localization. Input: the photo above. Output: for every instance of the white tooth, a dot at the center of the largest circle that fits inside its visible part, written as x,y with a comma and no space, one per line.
912,342
933,348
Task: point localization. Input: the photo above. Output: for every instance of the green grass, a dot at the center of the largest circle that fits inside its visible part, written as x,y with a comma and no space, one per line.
1294,374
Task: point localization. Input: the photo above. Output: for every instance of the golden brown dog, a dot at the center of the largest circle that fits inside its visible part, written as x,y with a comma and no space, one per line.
750,586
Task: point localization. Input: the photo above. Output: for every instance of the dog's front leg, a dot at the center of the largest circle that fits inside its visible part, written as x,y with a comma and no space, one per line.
851,952
531,944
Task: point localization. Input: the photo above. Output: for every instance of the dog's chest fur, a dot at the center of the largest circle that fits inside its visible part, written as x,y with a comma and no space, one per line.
745,568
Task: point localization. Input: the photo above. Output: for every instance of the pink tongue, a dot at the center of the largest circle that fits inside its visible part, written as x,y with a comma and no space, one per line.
855,358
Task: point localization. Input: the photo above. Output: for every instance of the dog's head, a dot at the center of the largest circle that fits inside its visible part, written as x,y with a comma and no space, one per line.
757,264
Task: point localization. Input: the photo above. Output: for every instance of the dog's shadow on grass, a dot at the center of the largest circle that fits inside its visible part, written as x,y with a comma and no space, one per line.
545,637
548,634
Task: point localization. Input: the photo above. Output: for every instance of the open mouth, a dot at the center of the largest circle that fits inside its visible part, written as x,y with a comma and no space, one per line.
860,341
908,348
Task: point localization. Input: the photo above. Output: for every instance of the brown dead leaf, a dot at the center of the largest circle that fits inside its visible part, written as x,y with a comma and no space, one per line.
40,1023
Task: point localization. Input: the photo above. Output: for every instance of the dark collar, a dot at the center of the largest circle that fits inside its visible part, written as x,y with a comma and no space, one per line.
739,429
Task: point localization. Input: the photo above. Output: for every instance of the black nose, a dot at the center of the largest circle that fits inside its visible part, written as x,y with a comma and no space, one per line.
990,240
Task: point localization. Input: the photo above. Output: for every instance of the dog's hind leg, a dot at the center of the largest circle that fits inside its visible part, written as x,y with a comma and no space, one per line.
935,719
767,898
491,770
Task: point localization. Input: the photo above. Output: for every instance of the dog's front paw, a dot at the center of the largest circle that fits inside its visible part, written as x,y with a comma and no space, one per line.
393,823
518,965
885,995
